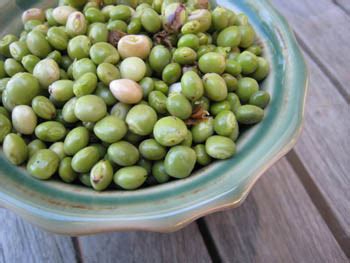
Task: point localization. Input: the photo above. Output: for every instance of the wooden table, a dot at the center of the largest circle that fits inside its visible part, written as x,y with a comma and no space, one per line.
298,212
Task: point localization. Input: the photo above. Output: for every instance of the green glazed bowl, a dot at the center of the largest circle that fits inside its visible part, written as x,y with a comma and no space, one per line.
75,210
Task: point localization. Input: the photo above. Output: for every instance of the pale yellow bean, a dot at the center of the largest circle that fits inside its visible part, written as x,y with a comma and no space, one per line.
134,46
24,119
61,14
126,91
33,14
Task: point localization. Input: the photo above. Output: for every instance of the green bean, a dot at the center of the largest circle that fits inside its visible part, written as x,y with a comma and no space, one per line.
123,153
180,161
85,159
15,149
220,147
43,164
66,172
5,127
130,178
58,149
159,173
131,91
202,157
101,175
110,129
170,131
249,114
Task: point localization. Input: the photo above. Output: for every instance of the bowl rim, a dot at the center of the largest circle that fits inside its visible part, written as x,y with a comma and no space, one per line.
49,219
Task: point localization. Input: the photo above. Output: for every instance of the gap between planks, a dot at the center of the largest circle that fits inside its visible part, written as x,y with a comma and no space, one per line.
322,27
315,195
208,241
293,159
277,223
333,79
298,166
342,7
318,200
77,249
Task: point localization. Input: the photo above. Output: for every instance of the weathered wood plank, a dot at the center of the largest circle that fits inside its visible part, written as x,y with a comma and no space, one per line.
183,246
324,29
277,223
345,4
324,149
22,242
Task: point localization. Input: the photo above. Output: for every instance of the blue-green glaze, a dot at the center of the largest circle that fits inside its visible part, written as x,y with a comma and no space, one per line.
74,210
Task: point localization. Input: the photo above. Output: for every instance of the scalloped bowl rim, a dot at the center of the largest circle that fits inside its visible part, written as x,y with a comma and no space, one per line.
180,202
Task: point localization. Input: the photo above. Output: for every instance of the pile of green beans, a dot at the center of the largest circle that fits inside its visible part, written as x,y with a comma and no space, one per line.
135,92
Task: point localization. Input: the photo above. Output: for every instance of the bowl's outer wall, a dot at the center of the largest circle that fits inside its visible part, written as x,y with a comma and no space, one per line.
75,210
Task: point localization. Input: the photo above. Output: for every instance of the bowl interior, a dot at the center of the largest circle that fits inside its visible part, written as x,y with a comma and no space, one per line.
210,188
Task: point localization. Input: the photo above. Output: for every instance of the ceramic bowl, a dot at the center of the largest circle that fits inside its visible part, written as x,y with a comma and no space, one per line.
75,210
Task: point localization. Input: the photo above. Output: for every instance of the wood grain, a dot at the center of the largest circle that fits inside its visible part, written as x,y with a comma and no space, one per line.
324,30
277,223
324,149
22,242
183,246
